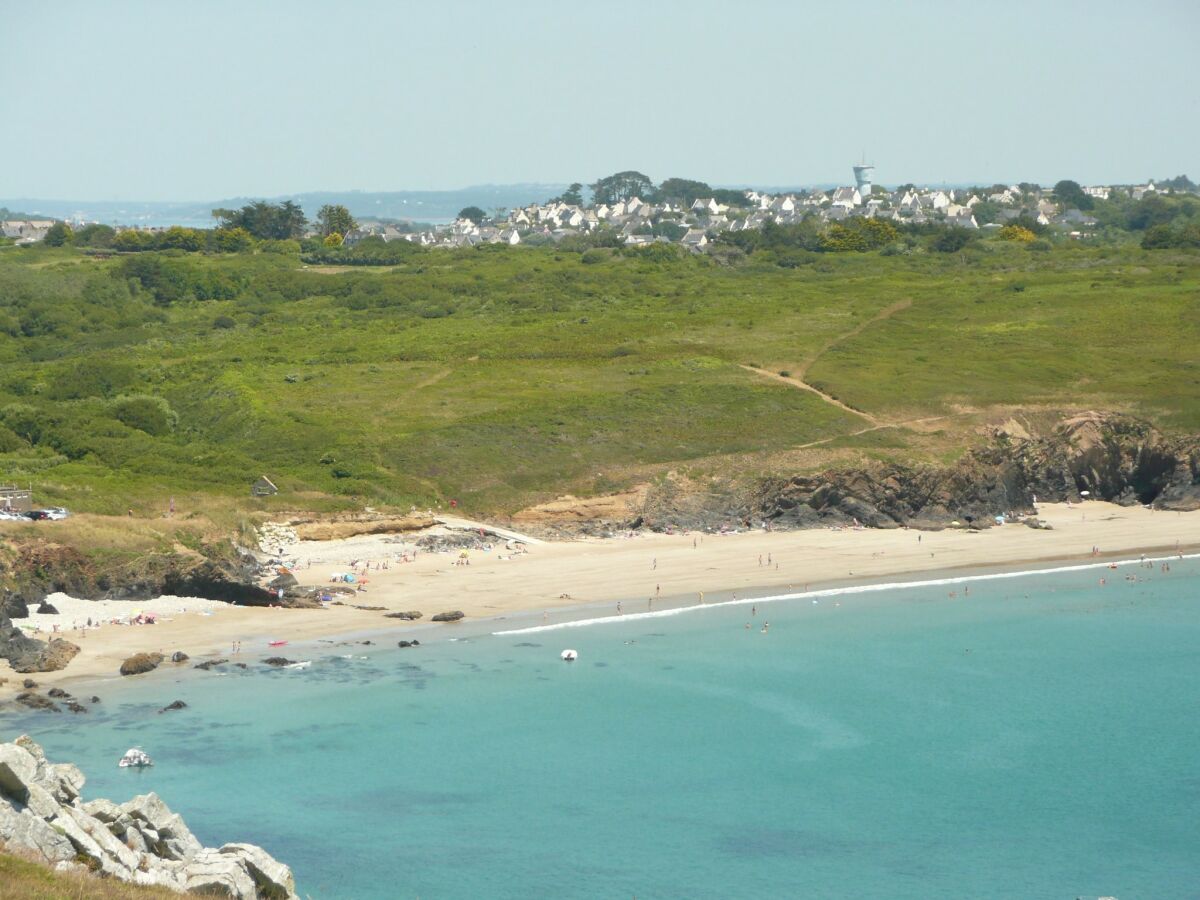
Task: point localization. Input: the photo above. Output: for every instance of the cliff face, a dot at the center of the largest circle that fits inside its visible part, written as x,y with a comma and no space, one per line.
35,570
140,841
1113,458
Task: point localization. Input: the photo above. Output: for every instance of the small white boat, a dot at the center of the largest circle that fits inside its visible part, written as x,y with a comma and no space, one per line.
135,758
569,655
299,665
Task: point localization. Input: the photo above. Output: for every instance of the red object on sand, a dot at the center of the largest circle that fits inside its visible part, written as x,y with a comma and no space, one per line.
276,643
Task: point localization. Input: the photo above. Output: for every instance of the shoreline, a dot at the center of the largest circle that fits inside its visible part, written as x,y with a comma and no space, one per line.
563,584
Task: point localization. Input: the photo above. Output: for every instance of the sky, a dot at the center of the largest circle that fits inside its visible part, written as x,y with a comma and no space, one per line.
162,100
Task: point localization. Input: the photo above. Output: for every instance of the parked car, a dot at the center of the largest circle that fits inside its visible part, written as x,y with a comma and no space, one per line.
37,515
56,512
9,516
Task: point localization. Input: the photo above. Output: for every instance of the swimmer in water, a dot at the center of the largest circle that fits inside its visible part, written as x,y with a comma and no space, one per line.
766,627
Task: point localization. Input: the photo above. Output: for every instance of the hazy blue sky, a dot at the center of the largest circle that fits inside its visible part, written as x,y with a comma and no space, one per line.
172,100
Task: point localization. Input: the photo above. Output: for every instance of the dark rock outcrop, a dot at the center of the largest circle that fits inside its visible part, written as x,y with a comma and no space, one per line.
57,693
13,605
178,704
1111,457
26,654
140,663
277,661
407,616
179,657
409,644
47,609
453,616
210,663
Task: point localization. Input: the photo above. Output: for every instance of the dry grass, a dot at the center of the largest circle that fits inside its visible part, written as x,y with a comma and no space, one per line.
23,879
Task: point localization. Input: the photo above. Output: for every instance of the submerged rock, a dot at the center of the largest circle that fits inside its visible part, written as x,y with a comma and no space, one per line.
37,701
140,663
178,704
277,661
210,663
409,644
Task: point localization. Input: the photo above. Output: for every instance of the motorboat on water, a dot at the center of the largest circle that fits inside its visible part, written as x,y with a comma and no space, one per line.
276,643
569,655
135,758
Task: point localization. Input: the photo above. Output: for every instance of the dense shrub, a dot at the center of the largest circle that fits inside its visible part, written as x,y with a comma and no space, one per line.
152,415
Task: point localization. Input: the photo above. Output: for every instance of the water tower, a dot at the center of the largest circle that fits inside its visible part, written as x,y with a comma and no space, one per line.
864,175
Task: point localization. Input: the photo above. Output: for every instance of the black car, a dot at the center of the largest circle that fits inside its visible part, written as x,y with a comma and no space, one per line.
37,515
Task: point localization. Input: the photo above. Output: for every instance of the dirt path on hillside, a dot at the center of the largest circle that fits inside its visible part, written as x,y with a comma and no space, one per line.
797,381
805,386
882,316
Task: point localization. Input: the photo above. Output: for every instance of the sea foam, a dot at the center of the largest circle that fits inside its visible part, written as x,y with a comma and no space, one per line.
841,591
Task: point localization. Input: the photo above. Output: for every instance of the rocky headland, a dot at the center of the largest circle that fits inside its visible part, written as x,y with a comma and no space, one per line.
141,841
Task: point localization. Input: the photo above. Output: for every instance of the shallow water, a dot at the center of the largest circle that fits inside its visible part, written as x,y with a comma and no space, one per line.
1037,738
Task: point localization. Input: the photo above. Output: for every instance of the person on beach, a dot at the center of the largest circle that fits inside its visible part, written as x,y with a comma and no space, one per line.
619,613
702,598
654,564
658,590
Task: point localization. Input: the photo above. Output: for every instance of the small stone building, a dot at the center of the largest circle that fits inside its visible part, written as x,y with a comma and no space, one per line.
264,487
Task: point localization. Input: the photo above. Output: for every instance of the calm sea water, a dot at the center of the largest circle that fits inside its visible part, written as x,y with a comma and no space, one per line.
1037,738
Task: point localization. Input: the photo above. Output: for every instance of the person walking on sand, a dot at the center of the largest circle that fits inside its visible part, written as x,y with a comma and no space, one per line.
702,598
658,590
619,612
654,564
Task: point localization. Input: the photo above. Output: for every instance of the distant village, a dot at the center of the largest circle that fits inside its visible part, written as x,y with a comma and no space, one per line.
695,224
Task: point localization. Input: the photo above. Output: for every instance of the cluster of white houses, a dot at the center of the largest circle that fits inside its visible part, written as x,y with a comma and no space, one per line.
641,222
694,224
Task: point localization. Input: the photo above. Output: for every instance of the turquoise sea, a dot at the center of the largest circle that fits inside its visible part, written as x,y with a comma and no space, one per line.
1037,737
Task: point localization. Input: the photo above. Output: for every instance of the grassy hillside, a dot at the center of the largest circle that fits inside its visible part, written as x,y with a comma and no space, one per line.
23,880
505,376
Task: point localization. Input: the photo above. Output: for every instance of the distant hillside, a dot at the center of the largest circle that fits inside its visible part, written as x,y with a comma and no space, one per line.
422,206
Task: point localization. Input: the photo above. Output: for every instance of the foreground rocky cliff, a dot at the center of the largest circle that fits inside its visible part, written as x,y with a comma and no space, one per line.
140,841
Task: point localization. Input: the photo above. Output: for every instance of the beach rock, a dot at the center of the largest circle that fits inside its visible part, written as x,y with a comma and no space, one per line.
179,657
409,644
271,878
26,654
76,707
278,661
94,700
178,704
37,701
408,616
210,663
140,663
57,693
453,616
29,684
13,605
47,609
239,665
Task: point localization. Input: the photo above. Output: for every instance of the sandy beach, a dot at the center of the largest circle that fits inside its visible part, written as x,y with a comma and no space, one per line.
637,571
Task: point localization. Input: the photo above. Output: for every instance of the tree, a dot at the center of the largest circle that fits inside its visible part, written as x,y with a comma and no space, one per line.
95,236
951,239
59,233
1071,195
474,213
573,194
265,221
230,240
622,186
335,220
333,239
683,190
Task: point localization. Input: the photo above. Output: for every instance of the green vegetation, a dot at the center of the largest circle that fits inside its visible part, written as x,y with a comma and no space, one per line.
504,376
21,879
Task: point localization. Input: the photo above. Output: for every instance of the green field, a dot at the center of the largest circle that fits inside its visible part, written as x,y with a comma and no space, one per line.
506,376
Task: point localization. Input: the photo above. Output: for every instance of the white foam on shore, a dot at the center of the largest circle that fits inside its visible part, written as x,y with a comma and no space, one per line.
841,591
